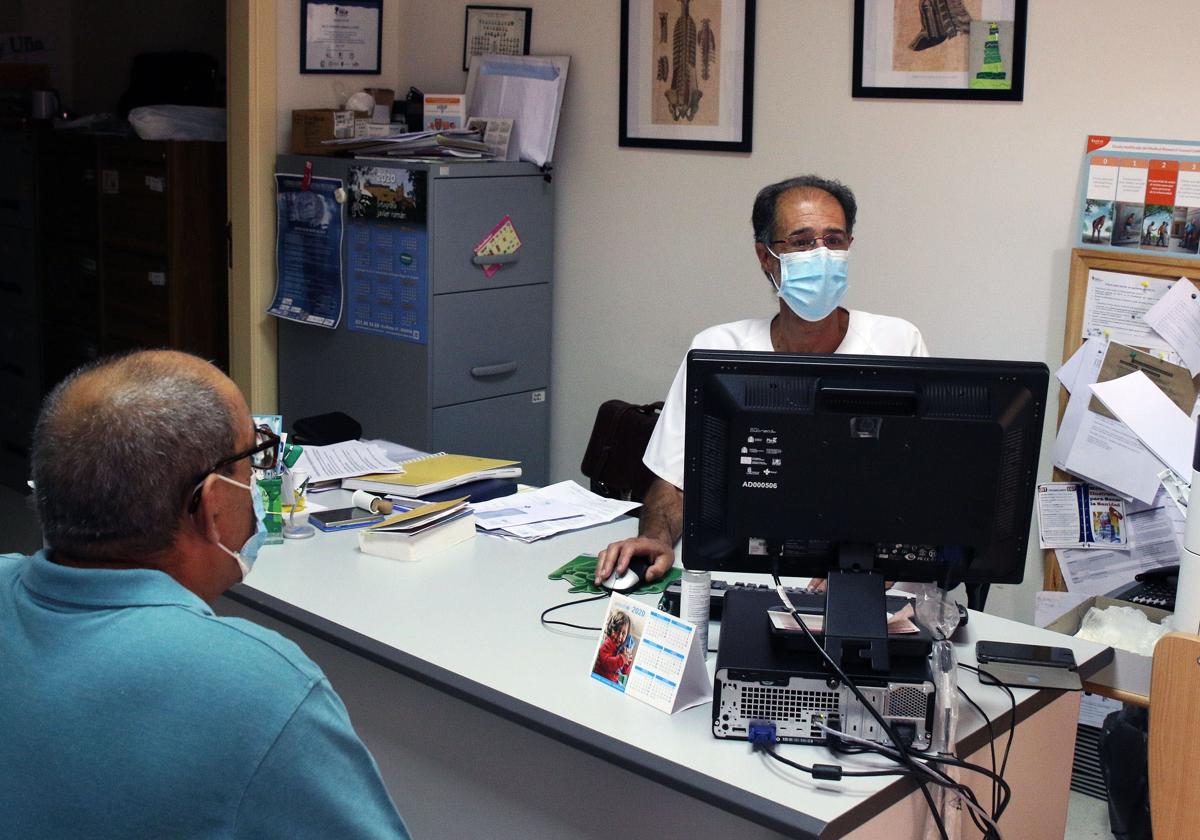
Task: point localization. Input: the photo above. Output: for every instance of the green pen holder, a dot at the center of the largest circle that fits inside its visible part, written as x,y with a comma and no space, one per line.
272,490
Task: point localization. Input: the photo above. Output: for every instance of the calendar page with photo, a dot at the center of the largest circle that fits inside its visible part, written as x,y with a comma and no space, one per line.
651,655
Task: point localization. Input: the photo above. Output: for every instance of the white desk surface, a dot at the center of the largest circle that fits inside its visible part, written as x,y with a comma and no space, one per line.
466,621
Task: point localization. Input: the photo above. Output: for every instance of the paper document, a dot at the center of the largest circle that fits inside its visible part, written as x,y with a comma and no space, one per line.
1070,369
342,460
1178,489
590,510
1072,514
1152,545
1173,380
1176,317
1099,449
522,509
1165,430
527,89
1116,307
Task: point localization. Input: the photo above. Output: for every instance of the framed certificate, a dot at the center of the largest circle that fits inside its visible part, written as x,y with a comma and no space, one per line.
342,37
497,30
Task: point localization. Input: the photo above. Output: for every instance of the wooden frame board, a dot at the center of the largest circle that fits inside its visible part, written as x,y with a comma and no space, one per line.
1084,261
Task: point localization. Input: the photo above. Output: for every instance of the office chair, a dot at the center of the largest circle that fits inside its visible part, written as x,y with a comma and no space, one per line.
1174,744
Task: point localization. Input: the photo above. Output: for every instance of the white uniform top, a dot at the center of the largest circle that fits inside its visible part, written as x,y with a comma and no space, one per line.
866,335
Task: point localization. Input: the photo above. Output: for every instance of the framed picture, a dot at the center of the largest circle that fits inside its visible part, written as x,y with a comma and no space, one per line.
496,30
940,49
687,74
342,37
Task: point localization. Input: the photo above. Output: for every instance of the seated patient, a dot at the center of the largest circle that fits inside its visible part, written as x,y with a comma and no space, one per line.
803,229
129,709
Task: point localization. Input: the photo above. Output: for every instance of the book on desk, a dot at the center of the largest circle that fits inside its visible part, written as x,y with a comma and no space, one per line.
432,473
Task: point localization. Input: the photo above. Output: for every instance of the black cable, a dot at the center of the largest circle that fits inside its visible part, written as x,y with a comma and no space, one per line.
906,759
549,610
812,771
942,779
1012,700
991,740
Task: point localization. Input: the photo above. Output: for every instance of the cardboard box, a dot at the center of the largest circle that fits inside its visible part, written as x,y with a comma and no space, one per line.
1127,677
312,126
445,110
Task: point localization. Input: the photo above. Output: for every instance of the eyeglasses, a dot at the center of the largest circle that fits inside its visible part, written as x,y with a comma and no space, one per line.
832,241
263,455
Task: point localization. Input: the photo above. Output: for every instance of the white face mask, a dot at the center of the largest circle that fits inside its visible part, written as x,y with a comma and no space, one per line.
249,551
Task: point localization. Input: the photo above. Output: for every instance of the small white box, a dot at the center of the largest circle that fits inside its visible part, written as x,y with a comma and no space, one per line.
444,111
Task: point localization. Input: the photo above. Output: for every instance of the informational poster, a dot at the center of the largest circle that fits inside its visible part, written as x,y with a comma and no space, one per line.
389,279
308,251
1141,194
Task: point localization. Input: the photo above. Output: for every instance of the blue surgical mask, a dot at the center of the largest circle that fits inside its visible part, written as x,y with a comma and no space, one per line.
249,552
812,283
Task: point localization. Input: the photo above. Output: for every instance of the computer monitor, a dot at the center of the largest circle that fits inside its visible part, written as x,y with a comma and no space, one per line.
911,469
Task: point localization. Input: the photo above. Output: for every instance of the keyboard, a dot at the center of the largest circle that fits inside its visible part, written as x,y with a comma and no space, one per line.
803,600
1149,593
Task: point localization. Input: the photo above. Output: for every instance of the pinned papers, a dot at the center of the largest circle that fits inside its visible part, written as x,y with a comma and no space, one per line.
1072,514
1176,317
1116,307
1158,423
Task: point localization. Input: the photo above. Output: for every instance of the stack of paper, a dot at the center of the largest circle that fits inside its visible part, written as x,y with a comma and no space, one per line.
545,512
328,464
453,142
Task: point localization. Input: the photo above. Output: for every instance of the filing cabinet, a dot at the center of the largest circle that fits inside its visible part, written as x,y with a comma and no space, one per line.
476,378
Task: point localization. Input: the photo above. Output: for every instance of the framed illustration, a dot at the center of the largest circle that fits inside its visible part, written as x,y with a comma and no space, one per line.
940,49
496,30
342,37
687,74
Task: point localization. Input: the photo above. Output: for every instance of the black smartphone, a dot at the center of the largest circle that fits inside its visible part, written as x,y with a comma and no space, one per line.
1050,657
342,518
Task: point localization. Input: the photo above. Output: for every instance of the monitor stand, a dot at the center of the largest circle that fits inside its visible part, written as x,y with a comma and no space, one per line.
856,615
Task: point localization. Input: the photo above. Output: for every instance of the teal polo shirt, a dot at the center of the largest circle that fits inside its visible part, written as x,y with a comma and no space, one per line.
129,710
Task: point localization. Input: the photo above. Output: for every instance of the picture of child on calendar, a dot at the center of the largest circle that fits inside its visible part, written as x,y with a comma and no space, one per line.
616,649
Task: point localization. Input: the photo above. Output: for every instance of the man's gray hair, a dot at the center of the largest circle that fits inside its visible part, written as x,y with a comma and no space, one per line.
763,215
113,469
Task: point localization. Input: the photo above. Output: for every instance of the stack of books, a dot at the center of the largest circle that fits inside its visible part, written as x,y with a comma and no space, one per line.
420,532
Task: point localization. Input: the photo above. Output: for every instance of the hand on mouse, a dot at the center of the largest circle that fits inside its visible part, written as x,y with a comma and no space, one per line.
617,556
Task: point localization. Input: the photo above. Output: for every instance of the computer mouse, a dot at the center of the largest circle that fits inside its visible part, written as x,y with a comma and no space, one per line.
634,577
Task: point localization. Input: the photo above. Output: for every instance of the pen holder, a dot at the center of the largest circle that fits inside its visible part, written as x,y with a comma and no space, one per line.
271,489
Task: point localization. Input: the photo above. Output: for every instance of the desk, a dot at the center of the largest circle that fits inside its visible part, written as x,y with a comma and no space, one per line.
486,724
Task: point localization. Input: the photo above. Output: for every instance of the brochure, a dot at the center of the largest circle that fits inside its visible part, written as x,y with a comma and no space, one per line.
1073,514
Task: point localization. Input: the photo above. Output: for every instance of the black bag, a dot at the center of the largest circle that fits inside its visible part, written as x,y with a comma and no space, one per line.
613,460
1123,751
324,429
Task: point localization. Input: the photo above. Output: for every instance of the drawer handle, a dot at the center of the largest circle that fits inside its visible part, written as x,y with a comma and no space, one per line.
495,259
484,371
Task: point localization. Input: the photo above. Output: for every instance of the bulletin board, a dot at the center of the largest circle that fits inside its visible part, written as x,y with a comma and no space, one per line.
1083,261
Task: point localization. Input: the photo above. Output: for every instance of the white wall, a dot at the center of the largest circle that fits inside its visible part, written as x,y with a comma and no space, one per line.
967,209
294,89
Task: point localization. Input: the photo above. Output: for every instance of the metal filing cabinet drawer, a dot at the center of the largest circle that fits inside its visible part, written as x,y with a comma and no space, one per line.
516,426
464,214
490,343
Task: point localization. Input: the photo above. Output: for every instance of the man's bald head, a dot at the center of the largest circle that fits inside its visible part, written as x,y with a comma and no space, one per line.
119,445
